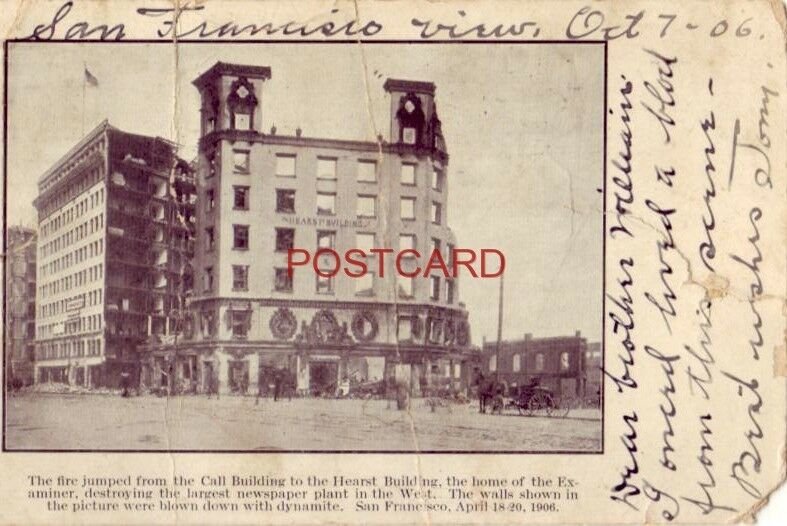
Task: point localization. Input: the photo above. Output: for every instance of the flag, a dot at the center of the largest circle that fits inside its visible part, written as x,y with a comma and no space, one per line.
90,78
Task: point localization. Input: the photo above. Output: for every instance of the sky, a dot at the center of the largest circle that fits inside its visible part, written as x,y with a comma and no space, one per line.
523,125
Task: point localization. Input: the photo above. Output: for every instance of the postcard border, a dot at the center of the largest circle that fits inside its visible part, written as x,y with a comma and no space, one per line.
604,43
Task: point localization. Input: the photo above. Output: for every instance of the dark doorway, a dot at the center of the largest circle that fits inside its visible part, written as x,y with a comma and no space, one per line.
239,376
80,376
209,378
322,378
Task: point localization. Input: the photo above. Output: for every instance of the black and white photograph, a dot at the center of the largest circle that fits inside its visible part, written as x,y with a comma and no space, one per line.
312,247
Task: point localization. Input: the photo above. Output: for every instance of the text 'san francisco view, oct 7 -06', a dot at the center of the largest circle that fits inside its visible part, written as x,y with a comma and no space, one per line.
275,248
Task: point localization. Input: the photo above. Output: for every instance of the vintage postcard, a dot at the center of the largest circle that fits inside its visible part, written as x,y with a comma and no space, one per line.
393,262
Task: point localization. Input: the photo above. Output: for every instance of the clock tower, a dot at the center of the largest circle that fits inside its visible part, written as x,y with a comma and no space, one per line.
414,120
231,97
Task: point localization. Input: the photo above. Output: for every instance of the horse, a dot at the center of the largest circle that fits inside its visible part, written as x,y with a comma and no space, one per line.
488,391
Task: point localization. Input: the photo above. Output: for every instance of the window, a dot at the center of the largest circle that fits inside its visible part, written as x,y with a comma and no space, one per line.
367,171
449,291
241,198
326,168
364,241
517,363
285,239
208,284
210,238
285,165
408,174
240,277
539,362
208,323
242,120
565,362
240,237
285,201
364,285
241,320
405,328
407,208
404,286
435,287
406,242
212,164
435,244
437,180
283,280
325,239
367,206
437,211
435,330
324,285
240,161
492,363
210,199
326,203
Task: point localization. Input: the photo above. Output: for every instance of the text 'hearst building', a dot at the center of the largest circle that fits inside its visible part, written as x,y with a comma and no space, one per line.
261,194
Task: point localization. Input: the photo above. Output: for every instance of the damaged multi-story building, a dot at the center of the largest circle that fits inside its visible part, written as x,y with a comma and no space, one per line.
262,194
116,234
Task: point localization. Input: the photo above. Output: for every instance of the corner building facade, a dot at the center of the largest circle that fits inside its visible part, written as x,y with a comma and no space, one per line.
261,194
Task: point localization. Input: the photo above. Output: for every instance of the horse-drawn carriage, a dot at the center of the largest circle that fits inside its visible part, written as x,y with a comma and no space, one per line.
528,400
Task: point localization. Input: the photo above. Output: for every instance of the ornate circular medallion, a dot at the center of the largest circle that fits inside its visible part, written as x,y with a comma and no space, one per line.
324,328
283,324
364,326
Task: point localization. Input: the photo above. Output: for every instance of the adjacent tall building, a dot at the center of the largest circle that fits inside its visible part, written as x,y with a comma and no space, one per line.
20,306
261,194
116,227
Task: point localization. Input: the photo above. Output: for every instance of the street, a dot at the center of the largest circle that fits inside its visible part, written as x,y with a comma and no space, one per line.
95,422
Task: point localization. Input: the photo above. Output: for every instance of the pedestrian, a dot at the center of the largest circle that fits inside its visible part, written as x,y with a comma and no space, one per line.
124,383
291,385
244,384
260,389
213,386
276,386
215,381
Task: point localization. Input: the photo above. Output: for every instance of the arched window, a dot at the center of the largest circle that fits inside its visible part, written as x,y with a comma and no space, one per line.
565,362
411,119
493,363
242,102
517,365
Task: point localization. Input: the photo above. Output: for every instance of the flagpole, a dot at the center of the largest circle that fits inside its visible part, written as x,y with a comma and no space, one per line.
84,88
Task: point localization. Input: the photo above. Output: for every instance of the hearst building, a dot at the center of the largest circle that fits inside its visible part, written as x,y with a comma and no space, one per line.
260,194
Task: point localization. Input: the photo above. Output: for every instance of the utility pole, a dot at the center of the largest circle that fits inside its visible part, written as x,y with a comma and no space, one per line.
499,330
